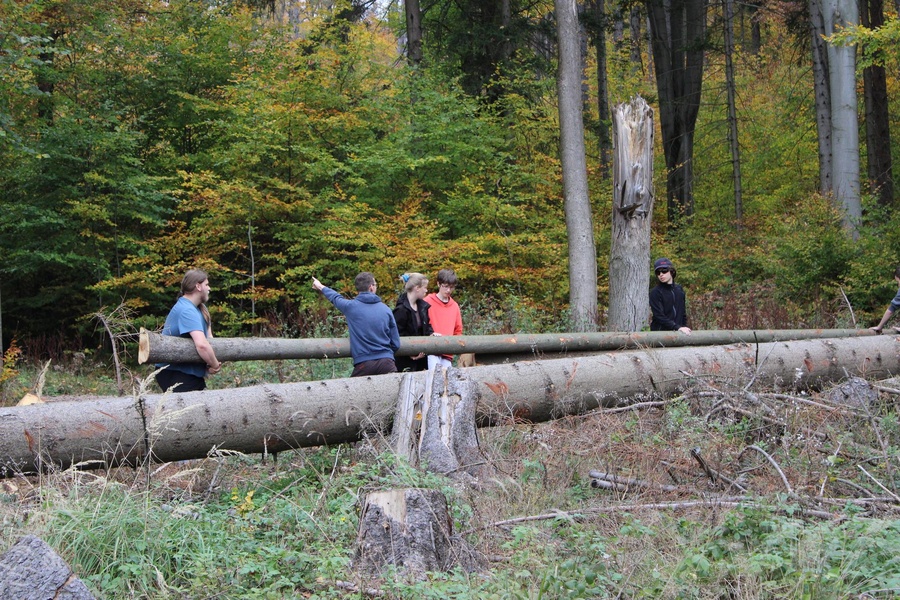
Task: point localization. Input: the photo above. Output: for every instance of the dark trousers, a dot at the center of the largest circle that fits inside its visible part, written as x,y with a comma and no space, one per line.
187,383
374,367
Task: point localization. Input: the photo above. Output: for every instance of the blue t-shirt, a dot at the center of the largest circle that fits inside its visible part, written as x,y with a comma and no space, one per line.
373,330
181,321
895,303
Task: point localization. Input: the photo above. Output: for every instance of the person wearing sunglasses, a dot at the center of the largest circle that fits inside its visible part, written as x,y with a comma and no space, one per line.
667,300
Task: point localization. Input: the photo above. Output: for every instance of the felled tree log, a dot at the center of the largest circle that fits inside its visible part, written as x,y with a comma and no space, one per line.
410,529
32,570
277,417
155,348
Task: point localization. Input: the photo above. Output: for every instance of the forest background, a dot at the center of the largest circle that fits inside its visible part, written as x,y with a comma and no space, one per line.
269,142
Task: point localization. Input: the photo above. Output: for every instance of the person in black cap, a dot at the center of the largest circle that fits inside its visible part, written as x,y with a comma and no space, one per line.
667,300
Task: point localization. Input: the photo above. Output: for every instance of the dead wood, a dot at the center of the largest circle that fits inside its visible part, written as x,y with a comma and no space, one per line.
32,570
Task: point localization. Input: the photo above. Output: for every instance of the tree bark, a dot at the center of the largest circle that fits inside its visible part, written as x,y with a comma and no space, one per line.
678,39
732,114
410,529
822,89
413,32
632,214
579,220
156,348
844,120
604,137
878,128
271,418
32,570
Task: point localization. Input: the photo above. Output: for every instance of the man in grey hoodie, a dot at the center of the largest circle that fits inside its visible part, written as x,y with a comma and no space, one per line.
373,330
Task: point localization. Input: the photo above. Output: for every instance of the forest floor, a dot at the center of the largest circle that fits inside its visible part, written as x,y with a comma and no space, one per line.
719,492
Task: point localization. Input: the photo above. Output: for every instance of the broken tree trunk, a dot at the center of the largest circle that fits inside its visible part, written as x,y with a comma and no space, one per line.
629,253
434,423
155,348
277,417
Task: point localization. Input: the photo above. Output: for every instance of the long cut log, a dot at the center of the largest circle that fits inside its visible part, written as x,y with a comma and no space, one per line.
156,348
270,418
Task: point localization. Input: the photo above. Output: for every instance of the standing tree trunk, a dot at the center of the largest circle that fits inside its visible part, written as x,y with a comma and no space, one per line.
631,216
844,120
678,39
604,138
878,127
822,89
413,32
732,114
579,221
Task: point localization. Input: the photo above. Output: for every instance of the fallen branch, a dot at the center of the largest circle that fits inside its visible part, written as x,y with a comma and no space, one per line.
774,464
799,400
886,390
728,502
878,483
635,406
625,482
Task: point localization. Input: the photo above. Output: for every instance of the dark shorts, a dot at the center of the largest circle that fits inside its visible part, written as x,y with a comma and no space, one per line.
187,383
374,367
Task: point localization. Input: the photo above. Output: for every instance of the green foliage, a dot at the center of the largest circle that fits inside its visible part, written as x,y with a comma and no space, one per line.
874,46
782,557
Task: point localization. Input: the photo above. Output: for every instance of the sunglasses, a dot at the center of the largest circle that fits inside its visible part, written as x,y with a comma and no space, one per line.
662,271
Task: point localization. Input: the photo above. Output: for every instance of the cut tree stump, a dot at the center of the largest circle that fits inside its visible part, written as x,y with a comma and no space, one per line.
32,570
410,529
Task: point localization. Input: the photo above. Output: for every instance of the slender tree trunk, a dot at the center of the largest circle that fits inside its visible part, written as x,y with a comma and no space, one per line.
272,418
844,119
732,114
604,138
878,128
822,88
579,220
632,215
678,32
413,32
634,22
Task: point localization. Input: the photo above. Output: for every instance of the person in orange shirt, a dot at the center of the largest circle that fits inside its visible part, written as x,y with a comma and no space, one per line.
444,314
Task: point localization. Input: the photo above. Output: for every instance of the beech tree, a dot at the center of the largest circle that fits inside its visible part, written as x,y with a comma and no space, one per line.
579,222
839,14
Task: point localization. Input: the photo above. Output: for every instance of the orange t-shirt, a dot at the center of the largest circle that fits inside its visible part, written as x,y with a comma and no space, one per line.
445,317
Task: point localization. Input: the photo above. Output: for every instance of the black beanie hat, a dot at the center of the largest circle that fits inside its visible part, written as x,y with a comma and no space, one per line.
663,263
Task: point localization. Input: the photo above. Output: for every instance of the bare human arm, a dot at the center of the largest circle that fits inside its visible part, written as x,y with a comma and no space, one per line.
205,350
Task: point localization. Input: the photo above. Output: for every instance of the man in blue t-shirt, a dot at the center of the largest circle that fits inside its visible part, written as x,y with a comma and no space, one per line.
893,307
373,331
189,318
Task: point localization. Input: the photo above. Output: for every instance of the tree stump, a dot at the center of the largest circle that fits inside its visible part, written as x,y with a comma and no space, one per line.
32,570
411,529
434,423
448,443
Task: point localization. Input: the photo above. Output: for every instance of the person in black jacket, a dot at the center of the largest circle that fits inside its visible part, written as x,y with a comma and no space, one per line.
411,314
667,300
